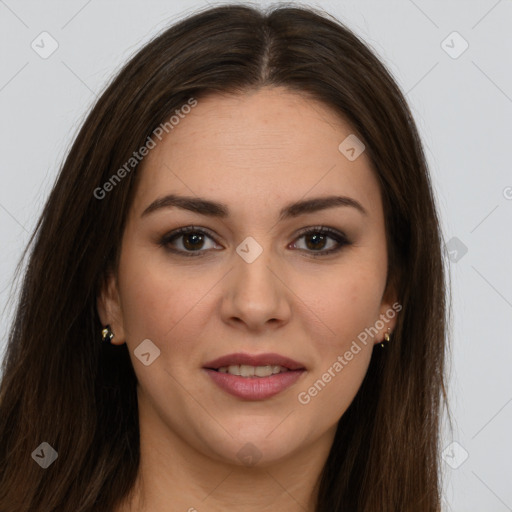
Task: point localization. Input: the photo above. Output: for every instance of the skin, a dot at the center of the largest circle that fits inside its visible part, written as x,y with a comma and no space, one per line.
255,152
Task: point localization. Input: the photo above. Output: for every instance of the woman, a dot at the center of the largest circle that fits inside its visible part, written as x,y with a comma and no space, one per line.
235,296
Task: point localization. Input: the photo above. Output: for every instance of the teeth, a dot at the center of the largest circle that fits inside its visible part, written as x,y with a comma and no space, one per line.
264,371
233,369
244,370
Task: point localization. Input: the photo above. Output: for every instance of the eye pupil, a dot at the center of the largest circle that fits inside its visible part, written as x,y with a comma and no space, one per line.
193,240
198,240
319,239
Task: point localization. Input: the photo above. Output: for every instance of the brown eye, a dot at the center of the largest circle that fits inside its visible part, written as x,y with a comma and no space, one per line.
188,241
316,239
193,241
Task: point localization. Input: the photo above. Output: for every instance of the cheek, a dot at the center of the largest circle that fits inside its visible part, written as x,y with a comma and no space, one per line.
328,393
342,357
348,303
342,303
157,299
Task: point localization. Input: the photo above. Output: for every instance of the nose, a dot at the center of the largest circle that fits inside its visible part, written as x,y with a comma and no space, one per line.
255,295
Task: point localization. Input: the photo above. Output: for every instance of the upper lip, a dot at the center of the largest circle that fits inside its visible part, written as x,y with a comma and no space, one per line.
254,360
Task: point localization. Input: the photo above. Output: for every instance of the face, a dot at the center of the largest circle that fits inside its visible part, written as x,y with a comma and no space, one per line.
245,280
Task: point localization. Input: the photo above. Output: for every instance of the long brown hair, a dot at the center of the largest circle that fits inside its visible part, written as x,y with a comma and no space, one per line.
62,386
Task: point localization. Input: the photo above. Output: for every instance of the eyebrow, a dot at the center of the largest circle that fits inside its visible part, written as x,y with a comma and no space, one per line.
209,208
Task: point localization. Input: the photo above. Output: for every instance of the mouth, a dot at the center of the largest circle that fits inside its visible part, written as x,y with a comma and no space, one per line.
254,377
245,370
250,365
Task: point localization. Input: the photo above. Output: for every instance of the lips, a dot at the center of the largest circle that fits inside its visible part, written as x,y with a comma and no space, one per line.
268,359
255,387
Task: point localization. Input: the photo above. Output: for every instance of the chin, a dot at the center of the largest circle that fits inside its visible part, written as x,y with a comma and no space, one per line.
256,446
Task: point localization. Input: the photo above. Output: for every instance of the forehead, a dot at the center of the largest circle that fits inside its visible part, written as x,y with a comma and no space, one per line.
266,146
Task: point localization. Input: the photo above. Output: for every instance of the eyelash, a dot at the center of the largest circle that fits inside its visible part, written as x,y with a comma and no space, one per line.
339,237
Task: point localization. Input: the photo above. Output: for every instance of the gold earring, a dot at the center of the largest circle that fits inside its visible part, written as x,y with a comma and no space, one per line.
107,334
386,339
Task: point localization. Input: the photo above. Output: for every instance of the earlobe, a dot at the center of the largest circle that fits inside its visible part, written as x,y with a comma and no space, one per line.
389,311
109,309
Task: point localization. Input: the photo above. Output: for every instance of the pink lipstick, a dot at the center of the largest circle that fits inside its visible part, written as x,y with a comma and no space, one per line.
254,377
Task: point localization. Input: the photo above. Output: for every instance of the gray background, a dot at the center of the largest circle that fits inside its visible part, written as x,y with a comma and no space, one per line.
463,107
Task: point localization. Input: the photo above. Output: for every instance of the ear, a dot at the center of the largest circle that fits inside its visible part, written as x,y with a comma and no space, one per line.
389,311
109,308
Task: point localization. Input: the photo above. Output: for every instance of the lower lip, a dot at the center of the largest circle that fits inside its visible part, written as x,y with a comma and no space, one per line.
254,388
